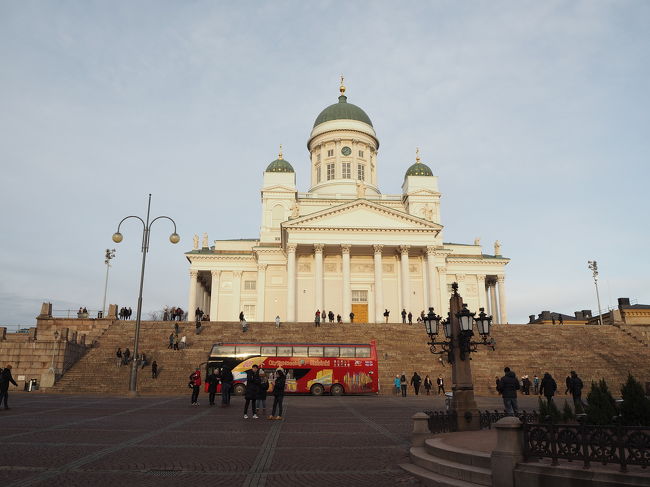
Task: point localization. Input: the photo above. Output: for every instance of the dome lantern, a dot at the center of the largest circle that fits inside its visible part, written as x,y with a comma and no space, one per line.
418,169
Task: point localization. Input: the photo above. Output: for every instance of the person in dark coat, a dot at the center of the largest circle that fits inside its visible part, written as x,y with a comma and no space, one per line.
226,386
154,370
568,384
525,385
278,393
212,381
416,380
127,356
403,383
5,380
261,392
576,386
428,384
195,382
508,387
403,316
410,317
252,386
118,354
441,384
548,387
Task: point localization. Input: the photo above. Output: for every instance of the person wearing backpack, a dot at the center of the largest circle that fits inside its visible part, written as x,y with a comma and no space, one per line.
278,393
548,387
261,392
195,384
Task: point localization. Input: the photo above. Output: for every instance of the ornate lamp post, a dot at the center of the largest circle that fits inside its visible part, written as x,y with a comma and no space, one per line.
110,254
117,238
593,266
458,329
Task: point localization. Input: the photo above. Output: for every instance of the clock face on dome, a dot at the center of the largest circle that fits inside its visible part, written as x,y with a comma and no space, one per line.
346,151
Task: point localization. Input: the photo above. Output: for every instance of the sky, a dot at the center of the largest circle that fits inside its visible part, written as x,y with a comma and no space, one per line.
535,116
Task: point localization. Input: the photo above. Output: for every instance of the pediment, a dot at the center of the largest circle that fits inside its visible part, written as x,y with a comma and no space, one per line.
279,188
361,214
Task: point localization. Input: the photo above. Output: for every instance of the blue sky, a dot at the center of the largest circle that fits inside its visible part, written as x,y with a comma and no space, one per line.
534,115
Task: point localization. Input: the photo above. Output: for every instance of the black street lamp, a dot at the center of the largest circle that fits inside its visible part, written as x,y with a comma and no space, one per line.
117,238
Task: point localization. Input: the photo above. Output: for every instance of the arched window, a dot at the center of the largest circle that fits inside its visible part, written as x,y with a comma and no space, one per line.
277,216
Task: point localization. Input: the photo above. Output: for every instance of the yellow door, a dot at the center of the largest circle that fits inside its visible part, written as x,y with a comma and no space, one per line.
360,312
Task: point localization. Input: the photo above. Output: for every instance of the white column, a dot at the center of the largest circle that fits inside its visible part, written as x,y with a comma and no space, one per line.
318,276
406,279
379,285
236,296
431,275
502,298
191,306
291,282
347,287
493,303
214,295
480,280
443,295
205,303
261,290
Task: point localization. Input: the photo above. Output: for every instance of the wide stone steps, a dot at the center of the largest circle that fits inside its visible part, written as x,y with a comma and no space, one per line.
450,469
432,479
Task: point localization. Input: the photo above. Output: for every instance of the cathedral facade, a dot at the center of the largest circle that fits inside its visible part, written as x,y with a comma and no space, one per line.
343,246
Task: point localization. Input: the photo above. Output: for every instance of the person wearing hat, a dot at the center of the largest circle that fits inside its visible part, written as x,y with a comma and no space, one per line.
5,379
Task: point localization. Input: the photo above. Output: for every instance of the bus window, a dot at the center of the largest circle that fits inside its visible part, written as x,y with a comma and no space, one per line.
363,352
331,351
246,350
299,351
296,374
315,351
347,352
223,351
270,351
284,352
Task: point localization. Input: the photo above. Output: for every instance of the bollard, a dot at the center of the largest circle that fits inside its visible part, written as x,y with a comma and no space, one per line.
420,429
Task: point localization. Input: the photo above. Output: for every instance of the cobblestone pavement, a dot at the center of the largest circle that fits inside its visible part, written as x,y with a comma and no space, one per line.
51,440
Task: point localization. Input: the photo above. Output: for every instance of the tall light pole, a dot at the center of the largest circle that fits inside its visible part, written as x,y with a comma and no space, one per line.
117,238
110,254
593,266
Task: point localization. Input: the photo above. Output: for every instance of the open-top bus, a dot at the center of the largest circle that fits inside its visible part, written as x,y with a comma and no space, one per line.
315,368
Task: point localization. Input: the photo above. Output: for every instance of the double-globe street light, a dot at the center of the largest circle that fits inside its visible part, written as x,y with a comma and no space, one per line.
593,267
458,330
117,238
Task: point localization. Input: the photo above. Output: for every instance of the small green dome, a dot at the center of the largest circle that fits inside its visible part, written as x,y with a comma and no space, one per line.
419,169
342,111
280,165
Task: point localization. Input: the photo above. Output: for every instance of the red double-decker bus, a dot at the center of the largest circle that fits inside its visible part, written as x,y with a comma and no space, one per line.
315,368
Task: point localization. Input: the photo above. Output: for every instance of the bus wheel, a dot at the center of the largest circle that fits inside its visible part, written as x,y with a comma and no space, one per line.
317,390
337,390
239,389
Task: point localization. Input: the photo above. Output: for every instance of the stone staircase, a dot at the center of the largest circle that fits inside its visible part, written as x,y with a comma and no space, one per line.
593,351
438,464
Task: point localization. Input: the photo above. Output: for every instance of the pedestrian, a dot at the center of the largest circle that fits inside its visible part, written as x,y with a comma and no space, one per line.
317,318
252,384
183,342
351,317
330,315
548,387
127,356
397,384
118,355
576,390
143,360
171,341
278,393
5,380
386,315
262,391
508,387
410,317
198,327
339,319
277,321
154,370
567,381
427,385
403,315
226,386
212,382
195,384
176,343
415,382
441,385
536,384
526,385
241,318
403,384
177,329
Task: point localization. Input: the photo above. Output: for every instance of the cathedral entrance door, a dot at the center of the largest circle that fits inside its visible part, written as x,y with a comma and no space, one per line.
360,305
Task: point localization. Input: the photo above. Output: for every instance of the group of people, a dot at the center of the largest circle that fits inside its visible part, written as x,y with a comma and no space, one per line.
325,316
257,387
173,314
401,384
125,313
124,357
200,315
176,343
407,316
508,385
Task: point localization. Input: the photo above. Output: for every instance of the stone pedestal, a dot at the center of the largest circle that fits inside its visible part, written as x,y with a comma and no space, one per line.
508,452
420,429
112,312
46,311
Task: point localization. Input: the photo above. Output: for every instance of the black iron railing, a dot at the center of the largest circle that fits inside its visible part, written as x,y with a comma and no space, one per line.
611,444
443,422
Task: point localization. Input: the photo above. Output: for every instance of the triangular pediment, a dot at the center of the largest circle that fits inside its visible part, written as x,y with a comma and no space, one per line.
361,214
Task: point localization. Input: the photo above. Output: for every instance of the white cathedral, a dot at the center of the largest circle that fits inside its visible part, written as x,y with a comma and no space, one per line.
343,246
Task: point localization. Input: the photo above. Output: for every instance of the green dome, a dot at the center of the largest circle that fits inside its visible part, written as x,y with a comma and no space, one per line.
419,169
342,111
279,165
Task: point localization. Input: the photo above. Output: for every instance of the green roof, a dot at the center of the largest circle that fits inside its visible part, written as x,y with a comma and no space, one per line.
280,165
419,169
342,111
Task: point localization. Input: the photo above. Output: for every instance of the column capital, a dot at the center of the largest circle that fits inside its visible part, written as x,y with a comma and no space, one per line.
194,273
261,267
460,277
215,273
404,249
345,248
237,273
442,269
318,248
501,278
291,247
481,277
431,250
378,248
